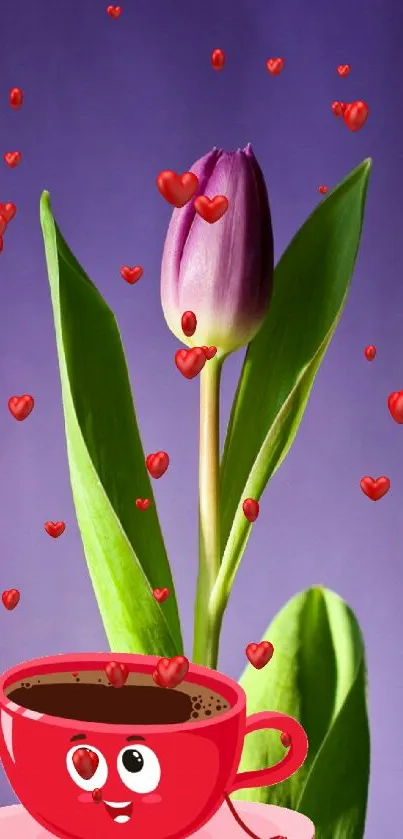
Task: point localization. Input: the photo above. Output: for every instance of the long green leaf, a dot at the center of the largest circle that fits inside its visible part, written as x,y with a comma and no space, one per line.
310,287
317,675
123,546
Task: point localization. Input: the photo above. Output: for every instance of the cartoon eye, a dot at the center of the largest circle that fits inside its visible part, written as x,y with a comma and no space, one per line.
87,767
139,768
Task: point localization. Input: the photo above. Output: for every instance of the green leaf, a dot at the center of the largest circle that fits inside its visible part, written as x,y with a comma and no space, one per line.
123,546
318,676
310,287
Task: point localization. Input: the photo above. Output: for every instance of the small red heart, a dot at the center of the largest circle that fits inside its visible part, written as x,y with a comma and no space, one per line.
171,672
338,108
355,115
8,211
375,488
85,763
190,362
323,189
116,673
21,406
3,225
251,509
370,352
217,59
16,97
12,158
55,528
189,323
211,209
209,352
275,65
157,464
161,594
143,503
75,675
11,598
177,189
131,275
114,11
97,796
395,405
343,70
286,740
259,654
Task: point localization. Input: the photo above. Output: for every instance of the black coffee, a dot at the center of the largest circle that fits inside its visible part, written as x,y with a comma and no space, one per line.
89,697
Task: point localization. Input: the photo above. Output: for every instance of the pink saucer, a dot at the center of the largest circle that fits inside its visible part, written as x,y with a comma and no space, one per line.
263,819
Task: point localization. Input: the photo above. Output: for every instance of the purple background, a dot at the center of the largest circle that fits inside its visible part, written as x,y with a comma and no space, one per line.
108,104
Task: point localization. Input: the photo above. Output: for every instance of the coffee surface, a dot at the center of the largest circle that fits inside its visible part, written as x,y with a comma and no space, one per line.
89,697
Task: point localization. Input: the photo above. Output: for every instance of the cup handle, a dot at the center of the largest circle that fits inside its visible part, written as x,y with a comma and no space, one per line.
292,761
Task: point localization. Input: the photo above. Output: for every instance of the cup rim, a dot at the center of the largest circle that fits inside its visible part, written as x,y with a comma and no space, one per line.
66,662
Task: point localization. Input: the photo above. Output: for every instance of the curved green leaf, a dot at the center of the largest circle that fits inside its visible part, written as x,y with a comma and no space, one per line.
317,675
123,546
310,287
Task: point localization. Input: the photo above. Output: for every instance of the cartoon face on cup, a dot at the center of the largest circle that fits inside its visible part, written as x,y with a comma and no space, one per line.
161,759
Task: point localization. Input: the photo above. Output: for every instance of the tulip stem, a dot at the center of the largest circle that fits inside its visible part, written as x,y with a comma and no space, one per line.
206,634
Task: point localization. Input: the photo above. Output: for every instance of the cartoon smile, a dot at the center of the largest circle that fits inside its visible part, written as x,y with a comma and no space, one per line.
119,811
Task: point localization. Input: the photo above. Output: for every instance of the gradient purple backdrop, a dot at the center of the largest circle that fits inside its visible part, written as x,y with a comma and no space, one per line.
108,104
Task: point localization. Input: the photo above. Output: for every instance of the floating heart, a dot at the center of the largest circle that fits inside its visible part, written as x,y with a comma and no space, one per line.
370,352
8,211
3,225
343,70
114,11
11,598
177,189
251,509
97,796
355,115
323,189
85,763
171,672
338,108
131,274
16,97
209,352
161,594
190,362
217,59
211,209
259,654
143,503
55,528
189,323
12,158
157,464
21,406
286,740
375,488
395,405
117,673
275,65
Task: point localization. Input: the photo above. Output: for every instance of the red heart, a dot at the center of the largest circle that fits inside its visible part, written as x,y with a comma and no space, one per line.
143,503
275,65
3,225
21,406
338,108
157,464
55,528
209,352
85,763
171,672
97,796
343,70
355,115
114,11
161,594
177,189
189,323
190,362
8,211
116,673
211,209
323,189
370,353
16,97
375,488
286,740
12,158
395,405
11,598
217,59
259,654
131,275
251,509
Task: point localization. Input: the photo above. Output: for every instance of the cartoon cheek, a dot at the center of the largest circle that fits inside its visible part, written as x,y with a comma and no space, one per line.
152,798
7,729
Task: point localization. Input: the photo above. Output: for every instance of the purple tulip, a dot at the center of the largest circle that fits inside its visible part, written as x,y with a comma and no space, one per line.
223,271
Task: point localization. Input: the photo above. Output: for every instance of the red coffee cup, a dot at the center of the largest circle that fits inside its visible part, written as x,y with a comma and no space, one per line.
187,768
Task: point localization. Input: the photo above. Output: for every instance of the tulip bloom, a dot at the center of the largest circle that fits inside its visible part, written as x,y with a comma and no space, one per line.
223,271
